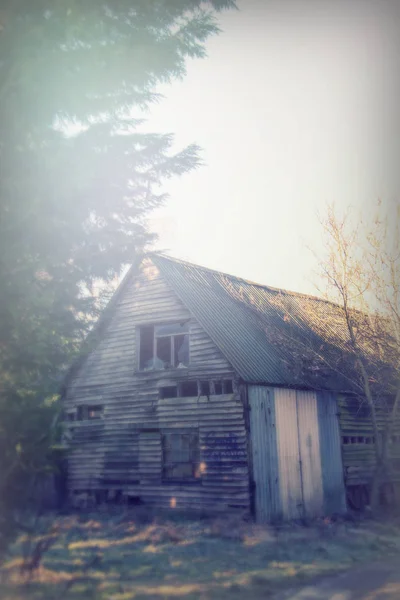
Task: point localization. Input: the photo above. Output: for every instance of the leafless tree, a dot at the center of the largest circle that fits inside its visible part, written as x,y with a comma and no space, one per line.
361,272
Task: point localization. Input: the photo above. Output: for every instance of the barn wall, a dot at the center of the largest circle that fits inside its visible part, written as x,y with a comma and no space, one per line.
357,440
122,451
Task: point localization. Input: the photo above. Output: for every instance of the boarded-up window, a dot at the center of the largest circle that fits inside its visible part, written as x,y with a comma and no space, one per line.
180,456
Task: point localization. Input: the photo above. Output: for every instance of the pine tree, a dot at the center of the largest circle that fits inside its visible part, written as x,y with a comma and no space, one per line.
73,208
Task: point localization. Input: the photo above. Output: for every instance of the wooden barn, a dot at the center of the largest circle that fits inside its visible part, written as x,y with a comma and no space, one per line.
197,395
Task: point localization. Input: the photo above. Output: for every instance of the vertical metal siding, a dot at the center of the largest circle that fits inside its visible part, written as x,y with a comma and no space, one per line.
310,456
288,453
297,465
264,450
331,458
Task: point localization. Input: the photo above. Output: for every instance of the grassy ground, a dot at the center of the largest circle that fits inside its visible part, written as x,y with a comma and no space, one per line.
121,557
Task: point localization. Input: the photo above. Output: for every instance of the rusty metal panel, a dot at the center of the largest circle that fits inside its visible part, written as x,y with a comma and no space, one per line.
310,455
331,457
288,453
264,451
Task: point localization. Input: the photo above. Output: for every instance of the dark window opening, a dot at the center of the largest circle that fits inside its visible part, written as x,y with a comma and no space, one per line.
180,456
169,391
94,412
163,353
91,412
361,439
204,388
146,347
217,388
188,388
228,386
81,413
70,416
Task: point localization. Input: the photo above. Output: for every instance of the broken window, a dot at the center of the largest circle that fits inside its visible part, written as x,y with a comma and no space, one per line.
217,388
223,387
204,388
163,353
169,391
228,386
164,346
146,347
180,456
188,389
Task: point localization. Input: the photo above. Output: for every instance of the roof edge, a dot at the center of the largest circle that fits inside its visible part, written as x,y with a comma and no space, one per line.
165,256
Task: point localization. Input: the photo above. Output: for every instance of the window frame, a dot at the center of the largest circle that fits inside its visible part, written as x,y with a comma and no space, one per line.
156,337
192,479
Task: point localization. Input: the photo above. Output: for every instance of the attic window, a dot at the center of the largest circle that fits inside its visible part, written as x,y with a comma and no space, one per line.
146,346
164,346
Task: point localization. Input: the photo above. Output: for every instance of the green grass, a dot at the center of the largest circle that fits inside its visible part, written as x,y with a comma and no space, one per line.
111,557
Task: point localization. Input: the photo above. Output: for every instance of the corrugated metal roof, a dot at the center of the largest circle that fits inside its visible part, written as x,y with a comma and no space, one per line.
268,335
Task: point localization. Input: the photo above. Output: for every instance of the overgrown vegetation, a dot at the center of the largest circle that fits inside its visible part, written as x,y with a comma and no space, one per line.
79,173
135,555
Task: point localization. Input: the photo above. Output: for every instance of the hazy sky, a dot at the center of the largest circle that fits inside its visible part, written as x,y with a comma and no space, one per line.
294,107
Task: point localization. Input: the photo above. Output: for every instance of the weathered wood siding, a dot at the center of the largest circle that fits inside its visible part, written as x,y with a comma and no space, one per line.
122,451
358,442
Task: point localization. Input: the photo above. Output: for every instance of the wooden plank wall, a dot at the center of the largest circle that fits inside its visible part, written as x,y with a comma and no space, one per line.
357,442
125,445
